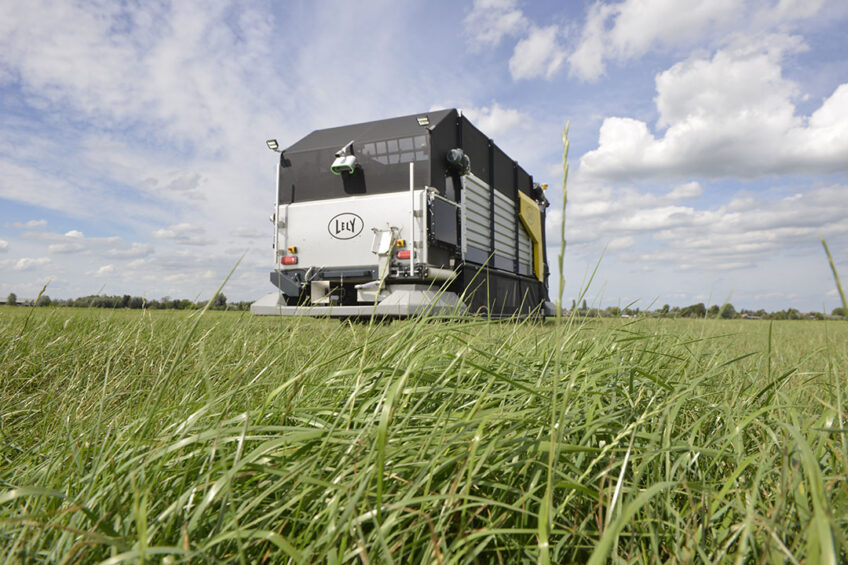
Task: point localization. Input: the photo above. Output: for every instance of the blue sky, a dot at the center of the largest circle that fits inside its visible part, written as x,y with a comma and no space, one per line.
709,140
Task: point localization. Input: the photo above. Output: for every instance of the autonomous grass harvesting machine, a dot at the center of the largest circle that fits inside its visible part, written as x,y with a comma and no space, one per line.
421,214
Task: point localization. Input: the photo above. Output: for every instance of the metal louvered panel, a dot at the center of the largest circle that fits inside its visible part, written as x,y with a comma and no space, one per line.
525,251
504,226
477,197
476,208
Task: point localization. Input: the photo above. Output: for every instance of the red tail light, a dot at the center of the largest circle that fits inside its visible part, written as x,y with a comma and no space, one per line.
404,253
290,260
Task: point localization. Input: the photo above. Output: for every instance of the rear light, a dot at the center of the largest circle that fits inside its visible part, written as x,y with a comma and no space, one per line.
400,243
404,253
290,260
293,250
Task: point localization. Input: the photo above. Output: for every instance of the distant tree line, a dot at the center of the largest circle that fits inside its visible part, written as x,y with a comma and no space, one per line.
132,302
700,310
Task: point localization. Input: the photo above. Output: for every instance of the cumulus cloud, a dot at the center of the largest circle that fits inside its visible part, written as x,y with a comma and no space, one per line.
489,21
201,91
495,119
29,263
26,225
732,115
72,241
788,10
539,55
622,31
181,125
538,52
730,235
686,191
629,29
587,60
4,245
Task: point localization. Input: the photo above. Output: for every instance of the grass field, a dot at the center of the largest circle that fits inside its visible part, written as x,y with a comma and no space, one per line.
170,437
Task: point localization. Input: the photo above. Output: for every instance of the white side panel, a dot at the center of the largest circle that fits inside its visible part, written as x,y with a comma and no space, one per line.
338,232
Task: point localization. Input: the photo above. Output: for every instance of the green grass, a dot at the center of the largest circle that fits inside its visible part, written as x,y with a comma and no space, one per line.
126,436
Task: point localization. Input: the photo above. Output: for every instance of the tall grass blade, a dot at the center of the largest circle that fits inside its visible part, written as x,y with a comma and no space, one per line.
561,257
836,279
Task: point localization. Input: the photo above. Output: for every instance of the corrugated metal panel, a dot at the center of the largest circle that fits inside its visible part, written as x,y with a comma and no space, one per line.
476,230
505,227
475,198
525,251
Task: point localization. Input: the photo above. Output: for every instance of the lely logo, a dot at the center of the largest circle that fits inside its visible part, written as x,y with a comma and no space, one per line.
345,226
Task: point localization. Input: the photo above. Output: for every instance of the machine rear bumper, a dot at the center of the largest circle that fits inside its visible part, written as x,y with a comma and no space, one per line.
402,301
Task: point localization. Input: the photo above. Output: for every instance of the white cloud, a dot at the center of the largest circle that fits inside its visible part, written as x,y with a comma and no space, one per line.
627,30
37,188
4,245
587,60
249,233
73,247
189,97
72,241
136,263
104,270
641,24
539,55
731,115
29,263
182,233
734,234
619,243
135,251
553,223
653,219
176,231
686,191
489,21
26,225
182,110
496,120
788,10
183,96
743,78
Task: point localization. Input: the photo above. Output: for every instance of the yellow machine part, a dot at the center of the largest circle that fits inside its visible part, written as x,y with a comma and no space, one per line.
531,217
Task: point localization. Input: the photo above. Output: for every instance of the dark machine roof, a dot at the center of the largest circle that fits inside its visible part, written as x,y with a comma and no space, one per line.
337,137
